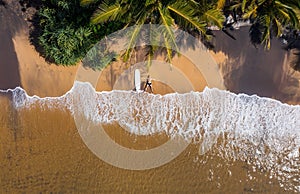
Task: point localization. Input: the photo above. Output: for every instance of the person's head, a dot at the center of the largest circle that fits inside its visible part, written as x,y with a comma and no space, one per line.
148,76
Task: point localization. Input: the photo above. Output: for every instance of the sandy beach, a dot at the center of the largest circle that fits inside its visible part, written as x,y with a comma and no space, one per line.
42,151
244,68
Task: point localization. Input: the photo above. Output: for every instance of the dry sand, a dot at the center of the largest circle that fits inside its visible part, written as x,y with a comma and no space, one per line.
37,76
244,68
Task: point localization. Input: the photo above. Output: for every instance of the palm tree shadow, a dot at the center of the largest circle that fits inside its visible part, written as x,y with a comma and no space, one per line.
293,44
251,69
295,64
186,40
11,24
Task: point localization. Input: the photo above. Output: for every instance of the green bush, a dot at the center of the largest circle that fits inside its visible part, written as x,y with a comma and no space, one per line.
66,32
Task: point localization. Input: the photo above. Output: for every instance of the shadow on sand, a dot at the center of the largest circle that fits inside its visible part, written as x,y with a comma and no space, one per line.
11,24
253,70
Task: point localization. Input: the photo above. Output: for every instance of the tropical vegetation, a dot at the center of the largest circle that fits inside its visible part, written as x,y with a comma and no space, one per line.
71,28
269,17
66,32
169,13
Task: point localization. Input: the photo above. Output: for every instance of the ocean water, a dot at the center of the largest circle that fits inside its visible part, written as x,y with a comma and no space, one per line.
253,142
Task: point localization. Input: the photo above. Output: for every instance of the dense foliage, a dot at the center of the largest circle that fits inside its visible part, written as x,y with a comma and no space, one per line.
184,14
66,32
70,28
269,17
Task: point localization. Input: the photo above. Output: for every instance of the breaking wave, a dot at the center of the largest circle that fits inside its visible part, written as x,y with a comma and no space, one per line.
262,131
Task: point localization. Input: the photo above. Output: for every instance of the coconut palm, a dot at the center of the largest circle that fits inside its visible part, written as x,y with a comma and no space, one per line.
269,17
168,13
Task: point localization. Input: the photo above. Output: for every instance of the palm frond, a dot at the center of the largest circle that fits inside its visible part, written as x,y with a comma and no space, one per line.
235,6
168,48
266,36
243,5
295,19
284,13
149,2
277,27
87,2
221,4
214,16
183,10
279,4
150,56
167,22
106,13
132,41
289,13
154,37
251,12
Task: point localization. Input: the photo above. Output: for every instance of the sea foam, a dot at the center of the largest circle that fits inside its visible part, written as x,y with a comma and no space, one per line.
208,113
263,129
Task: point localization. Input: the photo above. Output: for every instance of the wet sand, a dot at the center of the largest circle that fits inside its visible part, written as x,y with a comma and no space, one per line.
41,151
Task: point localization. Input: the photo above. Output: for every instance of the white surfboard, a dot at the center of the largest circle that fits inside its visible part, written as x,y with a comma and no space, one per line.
137,80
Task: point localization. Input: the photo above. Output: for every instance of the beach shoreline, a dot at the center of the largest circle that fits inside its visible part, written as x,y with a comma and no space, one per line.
263,78
41,149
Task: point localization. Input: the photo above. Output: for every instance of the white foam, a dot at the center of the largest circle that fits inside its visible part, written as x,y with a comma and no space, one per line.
263,129
212,111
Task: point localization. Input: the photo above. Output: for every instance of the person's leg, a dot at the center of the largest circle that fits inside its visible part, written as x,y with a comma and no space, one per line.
151,88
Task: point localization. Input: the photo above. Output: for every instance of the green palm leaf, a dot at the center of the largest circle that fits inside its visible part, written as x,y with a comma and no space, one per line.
88,2
243,5
277,27
215,16
250,12
221,4
106,13
132,41
185,12
271,16
168,49
266,37
167,22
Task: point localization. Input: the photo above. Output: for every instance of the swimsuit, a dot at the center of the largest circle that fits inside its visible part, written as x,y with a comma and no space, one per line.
148,82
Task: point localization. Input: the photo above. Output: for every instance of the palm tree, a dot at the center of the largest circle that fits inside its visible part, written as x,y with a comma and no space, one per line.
189,15
269,17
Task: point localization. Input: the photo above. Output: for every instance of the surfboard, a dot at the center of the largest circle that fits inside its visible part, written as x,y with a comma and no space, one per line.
137,80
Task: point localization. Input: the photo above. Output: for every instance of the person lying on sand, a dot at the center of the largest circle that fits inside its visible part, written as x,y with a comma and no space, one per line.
148,84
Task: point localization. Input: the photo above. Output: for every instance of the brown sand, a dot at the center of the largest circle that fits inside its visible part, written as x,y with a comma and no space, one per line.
41,151
48,155
37,76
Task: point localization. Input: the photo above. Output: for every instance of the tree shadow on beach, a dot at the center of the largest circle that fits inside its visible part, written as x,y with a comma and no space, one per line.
252,69
29,10
294,48
296,62
11,24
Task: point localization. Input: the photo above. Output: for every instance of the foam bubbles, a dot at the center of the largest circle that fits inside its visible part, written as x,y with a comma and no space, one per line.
261,131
